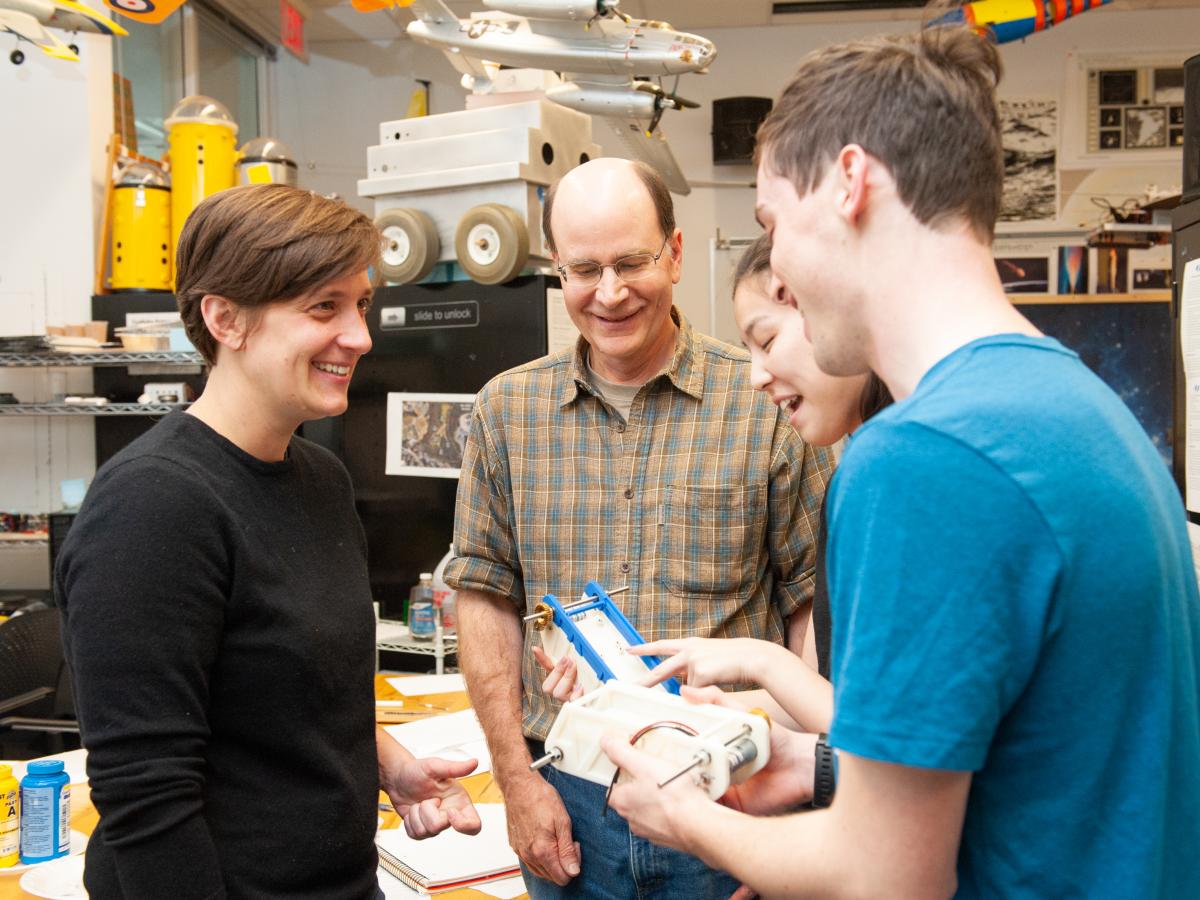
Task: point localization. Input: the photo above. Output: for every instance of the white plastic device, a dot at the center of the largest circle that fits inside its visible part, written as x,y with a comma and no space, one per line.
596,634
716,745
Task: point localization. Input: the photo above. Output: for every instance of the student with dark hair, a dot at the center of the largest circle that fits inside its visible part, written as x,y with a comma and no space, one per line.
216,608
1016,621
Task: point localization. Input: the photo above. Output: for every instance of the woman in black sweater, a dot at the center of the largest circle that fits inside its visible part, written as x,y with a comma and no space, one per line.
217,612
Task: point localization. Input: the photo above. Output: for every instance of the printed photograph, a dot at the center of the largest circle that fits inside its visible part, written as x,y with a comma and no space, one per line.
1145,126
1073,270
1112,270
427,433
1029,134
1024,274
1151,279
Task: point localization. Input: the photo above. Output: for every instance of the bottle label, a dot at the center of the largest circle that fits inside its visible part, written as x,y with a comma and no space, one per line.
422,621
64,821
38,823
9,827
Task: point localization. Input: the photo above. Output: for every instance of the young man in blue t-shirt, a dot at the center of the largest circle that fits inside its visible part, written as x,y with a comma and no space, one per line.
1016,626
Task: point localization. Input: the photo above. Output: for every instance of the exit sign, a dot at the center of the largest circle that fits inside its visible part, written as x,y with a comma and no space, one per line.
291,30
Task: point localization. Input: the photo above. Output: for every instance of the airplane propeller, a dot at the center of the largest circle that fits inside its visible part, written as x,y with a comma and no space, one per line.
663,100
604,9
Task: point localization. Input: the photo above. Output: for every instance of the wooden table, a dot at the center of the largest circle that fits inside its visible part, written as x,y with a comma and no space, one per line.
482,788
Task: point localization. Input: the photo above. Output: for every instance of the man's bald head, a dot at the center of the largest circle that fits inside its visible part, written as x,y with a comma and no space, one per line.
610,174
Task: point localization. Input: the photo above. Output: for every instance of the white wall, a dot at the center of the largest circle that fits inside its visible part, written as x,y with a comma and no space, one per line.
331,109
57,116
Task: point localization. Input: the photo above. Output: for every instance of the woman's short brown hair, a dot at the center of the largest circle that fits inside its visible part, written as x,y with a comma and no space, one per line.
263,243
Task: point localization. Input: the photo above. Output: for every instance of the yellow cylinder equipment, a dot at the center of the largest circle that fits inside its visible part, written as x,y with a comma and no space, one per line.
202,145
266,160
141,232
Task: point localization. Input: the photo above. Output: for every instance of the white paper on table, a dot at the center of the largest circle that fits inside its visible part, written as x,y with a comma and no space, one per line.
456,735
74,761
505,888
416,685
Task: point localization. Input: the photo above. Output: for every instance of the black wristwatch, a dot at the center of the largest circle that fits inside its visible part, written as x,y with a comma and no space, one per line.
824,773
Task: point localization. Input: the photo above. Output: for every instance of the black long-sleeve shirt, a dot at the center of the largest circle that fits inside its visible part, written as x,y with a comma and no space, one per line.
218,625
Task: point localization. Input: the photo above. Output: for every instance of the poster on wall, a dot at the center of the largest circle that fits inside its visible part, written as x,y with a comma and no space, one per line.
1150,269
1112,270
1029,134
1026,266
426,433
1073,270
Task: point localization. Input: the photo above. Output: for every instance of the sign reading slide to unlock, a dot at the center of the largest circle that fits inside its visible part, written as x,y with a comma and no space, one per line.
463,314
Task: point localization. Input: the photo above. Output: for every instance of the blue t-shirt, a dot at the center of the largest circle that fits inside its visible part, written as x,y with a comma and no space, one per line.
1013,595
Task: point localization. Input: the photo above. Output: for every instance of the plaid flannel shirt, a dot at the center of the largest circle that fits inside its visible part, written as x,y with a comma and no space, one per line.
705,503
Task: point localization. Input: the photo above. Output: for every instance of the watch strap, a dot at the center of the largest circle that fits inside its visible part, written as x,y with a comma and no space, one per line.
824,773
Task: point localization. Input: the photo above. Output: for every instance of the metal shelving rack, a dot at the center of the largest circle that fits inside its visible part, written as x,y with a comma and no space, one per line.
86,409
395,636
102,358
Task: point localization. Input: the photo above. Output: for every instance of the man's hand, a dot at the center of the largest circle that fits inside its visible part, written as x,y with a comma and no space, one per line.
427,795
539,830
562,682
704,661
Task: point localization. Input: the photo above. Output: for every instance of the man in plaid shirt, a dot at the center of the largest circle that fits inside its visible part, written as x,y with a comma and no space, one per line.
642,458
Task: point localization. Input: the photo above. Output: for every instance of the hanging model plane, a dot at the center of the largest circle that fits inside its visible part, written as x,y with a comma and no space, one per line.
605,59
1014,20
29,19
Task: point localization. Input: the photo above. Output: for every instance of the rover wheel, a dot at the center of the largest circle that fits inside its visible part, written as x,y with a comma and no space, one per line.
492,243
411,246
16,57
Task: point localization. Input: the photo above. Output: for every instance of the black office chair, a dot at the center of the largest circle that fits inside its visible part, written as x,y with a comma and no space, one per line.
35,693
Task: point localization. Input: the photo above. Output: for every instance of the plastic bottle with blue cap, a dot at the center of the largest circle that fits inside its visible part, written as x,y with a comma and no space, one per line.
45,811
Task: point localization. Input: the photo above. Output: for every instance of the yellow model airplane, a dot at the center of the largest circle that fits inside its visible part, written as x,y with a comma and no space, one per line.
29,19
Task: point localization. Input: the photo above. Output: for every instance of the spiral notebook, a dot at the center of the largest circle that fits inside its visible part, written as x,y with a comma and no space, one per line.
450,860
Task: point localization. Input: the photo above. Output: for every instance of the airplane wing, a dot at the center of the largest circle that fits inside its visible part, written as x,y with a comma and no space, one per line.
27,28
649,148
152,12
71,16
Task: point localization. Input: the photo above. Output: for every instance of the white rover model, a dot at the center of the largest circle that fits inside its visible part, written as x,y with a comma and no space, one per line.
468,186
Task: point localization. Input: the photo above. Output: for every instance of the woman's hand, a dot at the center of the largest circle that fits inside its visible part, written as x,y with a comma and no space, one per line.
704,661
427,795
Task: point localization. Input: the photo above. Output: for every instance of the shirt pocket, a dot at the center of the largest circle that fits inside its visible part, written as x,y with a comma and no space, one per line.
712,539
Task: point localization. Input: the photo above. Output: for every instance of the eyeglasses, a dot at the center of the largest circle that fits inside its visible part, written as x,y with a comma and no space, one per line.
628,268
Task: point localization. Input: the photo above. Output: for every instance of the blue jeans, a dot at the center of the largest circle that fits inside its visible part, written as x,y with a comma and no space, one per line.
618,865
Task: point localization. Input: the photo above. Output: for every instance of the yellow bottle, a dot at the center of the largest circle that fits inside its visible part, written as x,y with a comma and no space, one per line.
10,819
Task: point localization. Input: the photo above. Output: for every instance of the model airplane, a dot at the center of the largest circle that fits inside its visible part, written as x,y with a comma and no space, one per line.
29,19
1013,20
604,58
151,12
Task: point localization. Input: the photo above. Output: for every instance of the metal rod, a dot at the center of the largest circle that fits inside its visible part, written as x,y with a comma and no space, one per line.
700,760
553,756
587,598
